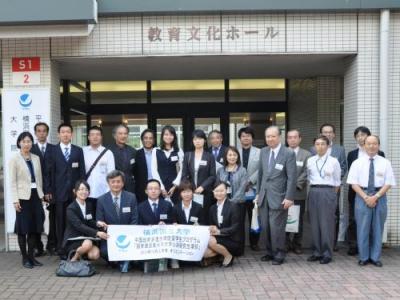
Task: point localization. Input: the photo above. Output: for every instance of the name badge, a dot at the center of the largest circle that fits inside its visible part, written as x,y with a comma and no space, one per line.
279,167
126,209
194,219
299,163
75,165
132,161
174,158
33,185
203,163
89,217
163,216
229,190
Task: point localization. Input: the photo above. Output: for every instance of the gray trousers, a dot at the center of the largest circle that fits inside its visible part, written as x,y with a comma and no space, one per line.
274,222
321,209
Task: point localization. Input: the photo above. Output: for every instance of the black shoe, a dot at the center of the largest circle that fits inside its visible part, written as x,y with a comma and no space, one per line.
352,251
255,248
297,250
267,257
277,262
377,263
35,262
362,263
325,260
228,264
39,253
27,264
335,248
51,251
314,258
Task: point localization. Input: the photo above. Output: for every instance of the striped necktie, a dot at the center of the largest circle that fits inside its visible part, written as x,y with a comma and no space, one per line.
66,154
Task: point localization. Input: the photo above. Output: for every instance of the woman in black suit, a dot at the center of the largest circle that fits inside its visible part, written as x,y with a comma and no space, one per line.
225,228
187,212
81,223
199,169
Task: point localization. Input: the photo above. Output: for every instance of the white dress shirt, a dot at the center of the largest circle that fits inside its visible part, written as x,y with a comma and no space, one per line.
220,207
323,170
151,203
359,172
186,210
63,146
154,167
42,147
82,207
275,151
97,179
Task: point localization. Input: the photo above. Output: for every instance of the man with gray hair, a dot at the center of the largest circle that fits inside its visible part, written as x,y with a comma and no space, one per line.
125,155
276,188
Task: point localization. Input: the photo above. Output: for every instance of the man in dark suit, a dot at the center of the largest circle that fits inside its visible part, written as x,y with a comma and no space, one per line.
155,210
124,156
116,207
276,187
339,153
67,167
142,166
360,134
44,150
217,149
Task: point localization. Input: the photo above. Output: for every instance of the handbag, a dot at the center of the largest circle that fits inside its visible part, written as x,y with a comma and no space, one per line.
79,268
255,220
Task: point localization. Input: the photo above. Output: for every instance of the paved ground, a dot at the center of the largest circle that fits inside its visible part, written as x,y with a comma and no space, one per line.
249,278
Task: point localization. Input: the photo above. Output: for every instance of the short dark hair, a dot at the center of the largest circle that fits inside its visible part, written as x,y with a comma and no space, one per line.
41,124
64,125
198,133
362,129
23,135
247,130
114,131
115,173
153,180
78,184
325,125
174,142
218,182
234,149
185,185
294,129
95,127
146,131
322,137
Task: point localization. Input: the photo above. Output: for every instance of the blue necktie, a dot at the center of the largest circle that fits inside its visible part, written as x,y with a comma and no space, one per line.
155,210
215,153
371,177
66,154
116,206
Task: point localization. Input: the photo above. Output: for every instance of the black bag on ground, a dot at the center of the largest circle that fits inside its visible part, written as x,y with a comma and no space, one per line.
79,268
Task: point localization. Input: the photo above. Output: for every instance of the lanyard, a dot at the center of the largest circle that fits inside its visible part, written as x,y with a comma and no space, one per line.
322,167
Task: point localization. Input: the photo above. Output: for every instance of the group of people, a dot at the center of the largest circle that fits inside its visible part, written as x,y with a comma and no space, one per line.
86,190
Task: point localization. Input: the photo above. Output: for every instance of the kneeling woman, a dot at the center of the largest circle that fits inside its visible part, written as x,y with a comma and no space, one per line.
225,227
81,222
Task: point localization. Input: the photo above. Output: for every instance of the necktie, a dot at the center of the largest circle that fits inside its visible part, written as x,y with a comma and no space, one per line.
43,150
371,177
215,153
66,154
155,210
271,164
116,206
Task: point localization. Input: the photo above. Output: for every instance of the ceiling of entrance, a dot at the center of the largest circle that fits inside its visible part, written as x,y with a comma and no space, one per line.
201,67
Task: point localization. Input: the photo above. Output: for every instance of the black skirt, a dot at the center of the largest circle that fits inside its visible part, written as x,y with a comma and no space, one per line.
31,217
233,247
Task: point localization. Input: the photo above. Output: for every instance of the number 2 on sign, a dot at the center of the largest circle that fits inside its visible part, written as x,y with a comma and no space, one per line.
26,78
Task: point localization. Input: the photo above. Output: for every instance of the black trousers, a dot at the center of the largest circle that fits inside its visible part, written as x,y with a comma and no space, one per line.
52,237
294,240
337,217
61,209
352,227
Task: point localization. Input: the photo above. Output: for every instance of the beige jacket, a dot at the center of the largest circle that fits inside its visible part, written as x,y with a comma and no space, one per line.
20,177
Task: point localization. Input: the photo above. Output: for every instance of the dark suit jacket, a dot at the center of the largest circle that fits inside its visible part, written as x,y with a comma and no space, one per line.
351,157
45,162
230,226
220,153
206,174
178,215
147,217
125,164
77,224
140,173
65,174
105,211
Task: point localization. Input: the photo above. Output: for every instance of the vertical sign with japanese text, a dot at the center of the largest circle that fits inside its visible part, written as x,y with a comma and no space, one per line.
21,108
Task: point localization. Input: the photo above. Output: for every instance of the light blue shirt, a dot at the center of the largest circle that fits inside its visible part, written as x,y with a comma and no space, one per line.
148,156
